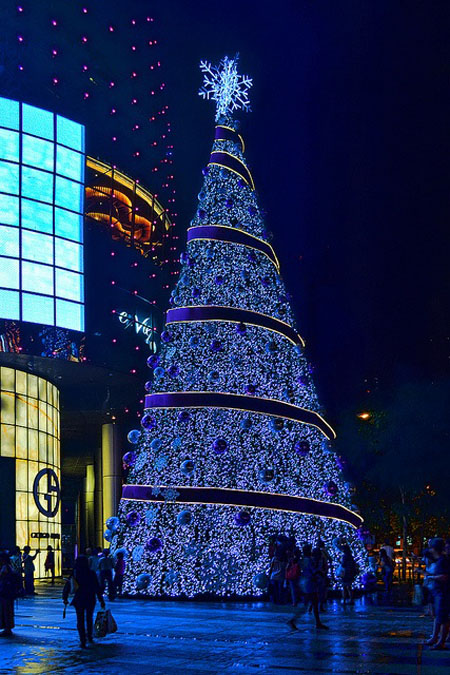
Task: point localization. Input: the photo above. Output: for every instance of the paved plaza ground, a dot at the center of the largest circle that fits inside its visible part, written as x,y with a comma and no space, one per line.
199,637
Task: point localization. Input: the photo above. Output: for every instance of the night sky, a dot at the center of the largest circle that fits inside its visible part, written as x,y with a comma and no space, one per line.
348,142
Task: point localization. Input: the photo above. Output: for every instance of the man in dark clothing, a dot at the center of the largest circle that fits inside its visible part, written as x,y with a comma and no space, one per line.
438,577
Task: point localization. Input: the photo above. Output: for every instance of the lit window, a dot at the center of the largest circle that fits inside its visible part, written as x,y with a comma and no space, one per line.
37,278
69,225
9,113
69,315
37,121
36,216
9,177
69,133
37,152
69,285
9,273
9,210
9,241
37,184
38,309
9,145
68,194
68,255
37,247
9,304
69,163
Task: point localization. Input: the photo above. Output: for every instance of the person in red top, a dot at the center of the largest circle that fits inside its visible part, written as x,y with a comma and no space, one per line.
119,572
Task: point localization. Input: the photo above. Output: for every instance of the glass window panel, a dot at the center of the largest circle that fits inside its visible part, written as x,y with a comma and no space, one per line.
9,304
21,411
70,133
32,385
42,389
33,440
37,121
68,194
9,145
7,409
69,225
9,210
9,113
37,184
7,440
32,413
69,163
37,278
69,285
9,241
33,513
69,315
43,456
9,273
38,152
22,442
21,474
49,393
21,533
68,255
8,379
42,417
21,382
37,246
36,216
33,468
9,177
38,309
21,506
50,452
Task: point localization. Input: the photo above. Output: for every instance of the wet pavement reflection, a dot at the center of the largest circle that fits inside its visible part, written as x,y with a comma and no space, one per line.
165,637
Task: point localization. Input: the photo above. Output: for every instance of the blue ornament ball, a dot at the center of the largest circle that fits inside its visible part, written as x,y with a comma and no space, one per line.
153,360
242,518
148,422
124,551
193,341
166,336
133,518
214,376
156,444
302,380
219,279
196,292
148,386
216,346
184,517
158,372
302,448
266,475
143,581
154,545
129,459
241,329
173,370
246,423
265,281
331,488
271,347
252,210
261,580
250,389
201,214
108,535
220,446
205,170
229,203
112,524
183,416
133,436
277,424
187,467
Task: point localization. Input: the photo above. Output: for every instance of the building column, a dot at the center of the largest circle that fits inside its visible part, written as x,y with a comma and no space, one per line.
89,522
99,529
112,470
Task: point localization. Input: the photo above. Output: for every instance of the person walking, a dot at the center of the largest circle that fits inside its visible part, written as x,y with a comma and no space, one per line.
293,574
119,572
325,567
387,570
277,573
438,576
28,567
106,566
347,574
84,583
309,585
16,564
49,564
9,588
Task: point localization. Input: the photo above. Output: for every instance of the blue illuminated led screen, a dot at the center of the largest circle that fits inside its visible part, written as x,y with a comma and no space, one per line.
41,223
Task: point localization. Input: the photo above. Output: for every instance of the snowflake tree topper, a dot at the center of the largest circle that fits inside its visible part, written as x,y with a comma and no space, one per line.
225,86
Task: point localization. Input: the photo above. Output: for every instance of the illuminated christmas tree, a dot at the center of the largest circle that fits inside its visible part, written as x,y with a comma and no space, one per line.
233,446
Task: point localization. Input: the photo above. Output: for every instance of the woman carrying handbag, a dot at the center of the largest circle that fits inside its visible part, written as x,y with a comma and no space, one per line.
85,588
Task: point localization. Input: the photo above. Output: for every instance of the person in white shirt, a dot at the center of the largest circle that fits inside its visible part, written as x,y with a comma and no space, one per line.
106,566
389,551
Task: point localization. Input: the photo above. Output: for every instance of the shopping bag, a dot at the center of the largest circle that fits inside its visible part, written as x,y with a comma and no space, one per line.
101,624
111,625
